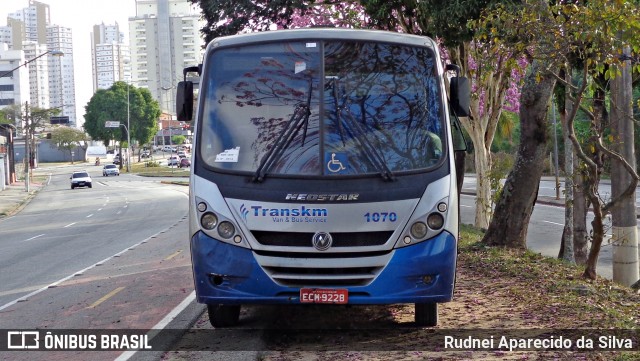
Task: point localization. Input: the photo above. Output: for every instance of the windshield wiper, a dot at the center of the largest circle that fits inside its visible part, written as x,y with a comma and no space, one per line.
299,118
360,136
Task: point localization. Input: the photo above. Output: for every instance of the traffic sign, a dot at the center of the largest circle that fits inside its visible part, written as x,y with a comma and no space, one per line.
59,120
110,124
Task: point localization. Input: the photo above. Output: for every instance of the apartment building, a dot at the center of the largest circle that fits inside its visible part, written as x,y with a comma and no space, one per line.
110,56
51,78
164,38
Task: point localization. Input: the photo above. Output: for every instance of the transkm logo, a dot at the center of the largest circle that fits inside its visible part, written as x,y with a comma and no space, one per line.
259,211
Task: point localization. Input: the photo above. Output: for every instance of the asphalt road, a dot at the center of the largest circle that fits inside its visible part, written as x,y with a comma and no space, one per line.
113,256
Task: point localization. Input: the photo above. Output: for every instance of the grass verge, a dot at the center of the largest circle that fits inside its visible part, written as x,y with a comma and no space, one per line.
158,171
563,298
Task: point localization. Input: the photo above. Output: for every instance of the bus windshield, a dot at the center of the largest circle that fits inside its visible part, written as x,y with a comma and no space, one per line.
322,108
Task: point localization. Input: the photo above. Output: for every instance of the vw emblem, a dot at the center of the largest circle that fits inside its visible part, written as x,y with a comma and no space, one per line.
322,241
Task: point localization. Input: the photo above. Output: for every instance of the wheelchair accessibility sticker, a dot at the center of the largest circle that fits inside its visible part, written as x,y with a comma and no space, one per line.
336,163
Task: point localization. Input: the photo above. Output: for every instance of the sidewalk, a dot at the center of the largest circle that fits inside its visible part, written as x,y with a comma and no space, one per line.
14,197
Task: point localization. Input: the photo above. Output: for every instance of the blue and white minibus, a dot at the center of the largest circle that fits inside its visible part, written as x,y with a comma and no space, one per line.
323,170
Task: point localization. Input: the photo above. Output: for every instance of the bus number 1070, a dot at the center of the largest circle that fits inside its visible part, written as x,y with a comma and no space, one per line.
381,217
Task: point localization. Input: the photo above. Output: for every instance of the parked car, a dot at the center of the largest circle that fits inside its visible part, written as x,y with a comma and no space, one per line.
173,160
184,163
80,179
116,159
168,148
181,154
110,169
145,154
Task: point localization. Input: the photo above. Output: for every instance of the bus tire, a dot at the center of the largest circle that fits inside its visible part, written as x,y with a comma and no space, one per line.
223,315
426,314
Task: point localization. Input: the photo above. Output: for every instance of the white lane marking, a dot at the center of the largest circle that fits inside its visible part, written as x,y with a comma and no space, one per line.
70,224
559,224
26,297
90,215
464,205
162,324
34,237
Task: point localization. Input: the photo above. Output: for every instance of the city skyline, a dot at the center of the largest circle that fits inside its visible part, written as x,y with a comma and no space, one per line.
80,17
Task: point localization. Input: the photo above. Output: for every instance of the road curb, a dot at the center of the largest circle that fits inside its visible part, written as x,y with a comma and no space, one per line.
553,203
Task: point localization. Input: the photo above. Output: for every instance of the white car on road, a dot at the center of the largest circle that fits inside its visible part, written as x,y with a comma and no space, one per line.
110,169
80,179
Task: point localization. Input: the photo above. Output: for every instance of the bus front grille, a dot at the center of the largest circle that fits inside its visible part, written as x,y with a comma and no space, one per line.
327,271
303,239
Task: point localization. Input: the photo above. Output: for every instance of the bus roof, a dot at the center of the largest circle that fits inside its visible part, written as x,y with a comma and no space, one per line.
323,33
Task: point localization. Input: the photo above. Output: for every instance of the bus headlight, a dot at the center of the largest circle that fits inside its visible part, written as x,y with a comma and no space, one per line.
435,221
419,230
209,221
226,229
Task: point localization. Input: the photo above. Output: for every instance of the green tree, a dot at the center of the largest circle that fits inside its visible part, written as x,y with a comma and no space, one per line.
141,111
178,139
67,138
102,107
9,114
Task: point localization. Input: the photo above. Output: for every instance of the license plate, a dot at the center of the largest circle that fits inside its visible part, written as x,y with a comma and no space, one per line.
324,295
80,183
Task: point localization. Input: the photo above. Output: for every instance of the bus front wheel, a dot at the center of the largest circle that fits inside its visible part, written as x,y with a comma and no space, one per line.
427,314
223,315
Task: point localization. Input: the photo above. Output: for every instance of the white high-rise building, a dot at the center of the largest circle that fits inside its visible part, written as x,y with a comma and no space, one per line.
109,55
51,79
14,85
62,91
164,38
38,74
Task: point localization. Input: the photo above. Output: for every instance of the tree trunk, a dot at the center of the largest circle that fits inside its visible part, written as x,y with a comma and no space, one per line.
598,234
582,201
483,185
568,233
513,210
580,209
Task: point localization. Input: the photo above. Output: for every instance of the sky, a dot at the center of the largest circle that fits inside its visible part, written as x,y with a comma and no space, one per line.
80,16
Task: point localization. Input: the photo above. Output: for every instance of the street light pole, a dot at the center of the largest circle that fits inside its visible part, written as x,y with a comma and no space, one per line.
128,127
27,151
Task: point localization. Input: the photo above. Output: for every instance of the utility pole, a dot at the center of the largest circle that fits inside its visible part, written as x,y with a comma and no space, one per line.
27,151
625,231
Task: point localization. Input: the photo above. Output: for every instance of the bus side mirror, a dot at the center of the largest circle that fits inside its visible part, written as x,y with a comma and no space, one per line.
184,101
460,96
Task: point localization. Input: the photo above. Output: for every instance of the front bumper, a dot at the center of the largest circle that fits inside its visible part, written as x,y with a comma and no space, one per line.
227,274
